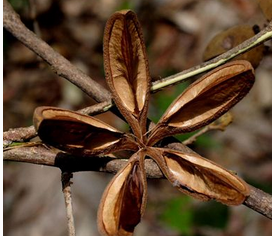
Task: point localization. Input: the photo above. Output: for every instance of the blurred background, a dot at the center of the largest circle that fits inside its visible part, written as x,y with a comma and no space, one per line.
176,35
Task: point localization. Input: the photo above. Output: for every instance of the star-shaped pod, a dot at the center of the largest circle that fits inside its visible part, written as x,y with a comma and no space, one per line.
127,75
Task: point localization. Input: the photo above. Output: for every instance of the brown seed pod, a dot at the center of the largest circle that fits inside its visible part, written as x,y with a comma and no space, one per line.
124,199
195,176
205,100
78,134
126,68
229,39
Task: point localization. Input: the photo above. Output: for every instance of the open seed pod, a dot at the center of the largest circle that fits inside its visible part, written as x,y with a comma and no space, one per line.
199,177
78,134
205,100
229,39
123,202
126,68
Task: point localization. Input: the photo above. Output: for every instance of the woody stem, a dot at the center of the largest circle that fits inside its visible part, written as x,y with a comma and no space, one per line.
66,189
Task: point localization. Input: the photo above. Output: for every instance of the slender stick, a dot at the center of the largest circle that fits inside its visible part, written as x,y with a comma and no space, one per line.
219,124
183,76
258,200
66,189
194,137
58,63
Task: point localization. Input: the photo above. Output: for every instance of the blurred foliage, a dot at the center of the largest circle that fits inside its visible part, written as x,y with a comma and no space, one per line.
126,5
19,5
178,214
265,186
203,141
213,214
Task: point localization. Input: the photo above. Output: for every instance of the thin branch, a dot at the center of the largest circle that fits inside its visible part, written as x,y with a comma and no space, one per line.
258,200
194,137
263,36
97,108
42,155
64,68
19,134
219,124
58,63
67,193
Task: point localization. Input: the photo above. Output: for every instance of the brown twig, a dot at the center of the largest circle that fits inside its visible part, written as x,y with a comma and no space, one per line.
58,63
19,134
194,137
67,192
42,155
261,37
97,108
258,200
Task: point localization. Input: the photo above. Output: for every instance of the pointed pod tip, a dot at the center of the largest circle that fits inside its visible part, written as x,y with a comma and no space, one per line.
38,116
246,64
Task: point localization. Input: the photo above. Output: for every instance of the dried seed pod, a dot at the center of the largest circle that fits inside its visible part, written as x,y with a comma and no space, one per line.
126,68
205,100
123,202
78,134
229,39
199,177
266,6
